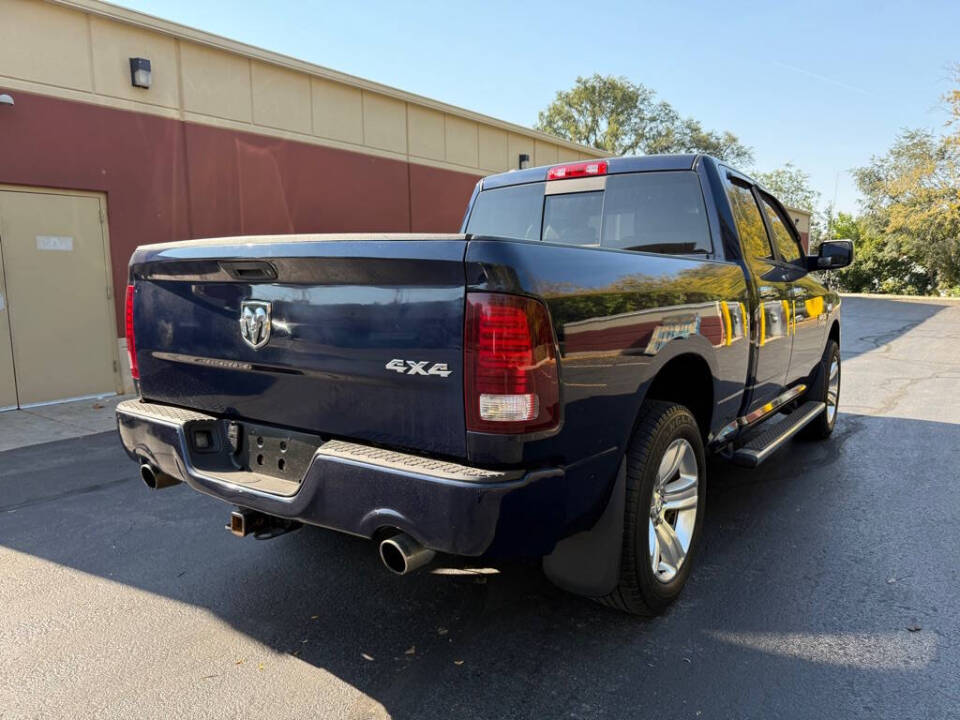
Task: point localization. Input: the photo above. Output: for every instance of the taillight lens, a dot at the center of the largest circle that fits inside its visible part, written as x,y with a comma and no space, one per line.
580,169
131,339
510,365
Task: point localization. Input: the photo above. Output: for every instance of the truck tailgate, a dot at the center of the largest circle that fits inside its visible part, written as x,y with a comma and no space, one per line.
365,333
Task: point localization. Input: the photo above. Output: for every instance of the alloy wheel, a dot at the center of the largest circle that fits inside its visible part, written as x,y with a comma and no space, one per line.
673,510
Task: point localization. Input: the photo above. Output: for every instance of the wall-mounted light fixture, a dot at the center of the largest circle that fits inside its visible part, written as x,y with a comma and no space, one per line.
524,161
140,75
6,99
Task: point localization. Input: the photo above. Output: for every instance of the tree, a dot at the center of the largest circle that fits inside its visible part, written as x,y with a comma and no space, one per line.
625,118
791,186
881,264
912,203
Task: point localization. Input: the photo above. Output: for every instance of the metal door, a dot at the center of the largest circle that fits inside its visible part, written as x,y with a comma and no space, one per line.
8,382
58,296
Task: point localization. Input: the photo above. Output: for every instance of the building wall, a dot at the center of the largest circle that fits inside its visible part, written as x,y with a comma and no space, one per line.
230,139
169,180
80,50
801,218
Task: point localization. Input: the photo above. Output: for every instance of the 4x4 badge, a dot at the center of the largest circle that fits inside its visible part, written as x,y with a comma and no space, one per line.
418,367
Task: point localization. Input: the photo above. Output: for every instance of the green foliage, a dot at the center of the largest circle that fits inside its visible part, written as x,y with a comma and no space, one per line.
625,118
910,225
907,236
791,186
881,265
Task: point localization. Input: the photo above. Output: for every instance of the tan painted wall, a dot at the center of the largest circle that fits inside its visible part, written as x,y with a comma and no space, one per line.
80,50
801,218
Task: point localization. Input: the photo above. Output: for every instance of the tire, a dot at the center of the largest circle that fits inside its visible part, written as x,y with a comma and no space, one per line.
661,428
822,426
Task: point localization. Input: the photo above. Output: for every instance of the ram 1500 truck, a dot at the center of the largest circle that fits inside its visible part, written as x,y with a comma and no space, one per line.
546,383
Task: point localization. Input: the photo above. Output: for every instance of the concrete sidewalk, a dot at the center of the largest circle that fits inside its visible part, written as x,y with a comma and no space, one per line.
19,428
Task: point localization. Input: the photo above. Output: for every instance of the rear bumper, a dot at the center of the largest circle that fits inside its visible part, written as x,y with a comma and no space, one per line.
359,489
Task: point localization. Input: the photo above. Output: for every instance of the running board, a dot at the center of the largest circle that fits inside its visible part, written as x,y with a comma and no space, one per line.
759,447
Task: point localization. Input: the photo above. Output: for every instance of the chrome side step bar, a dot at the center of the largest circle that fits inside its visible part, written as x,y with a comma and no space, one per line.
759,447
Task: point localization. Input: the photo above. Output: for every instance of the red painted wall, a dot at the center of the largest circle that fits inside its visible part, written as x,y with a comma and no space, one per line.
171,180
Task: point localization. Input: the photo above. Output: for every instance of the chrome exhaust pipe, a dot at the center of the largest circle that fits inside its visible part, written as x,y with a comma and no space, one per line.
154,479
402,554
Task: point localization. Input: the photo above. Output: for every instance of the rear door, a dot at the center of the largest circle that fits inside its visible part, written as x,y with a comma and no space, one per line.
771,323
807,317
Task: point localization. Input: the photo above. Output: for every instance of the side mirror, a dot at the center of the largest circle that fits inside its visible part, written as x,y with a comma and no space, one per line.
833,255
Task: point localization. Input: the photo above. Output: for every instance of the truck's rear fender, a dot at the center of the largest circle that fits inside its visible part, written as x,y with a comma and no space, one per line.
620,318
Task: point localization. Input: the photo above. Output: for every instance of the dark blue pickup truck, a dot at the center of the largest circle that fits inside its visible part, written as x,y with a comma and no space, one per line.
544,384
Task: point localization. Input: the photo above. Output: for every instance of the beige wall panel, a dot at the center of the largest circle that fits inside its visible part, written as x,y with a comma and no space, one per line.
462,142
544,153
493,149
46,44
281,98
567,155
801,219
215,82
384,122
425,128
337,111
517,144
113,46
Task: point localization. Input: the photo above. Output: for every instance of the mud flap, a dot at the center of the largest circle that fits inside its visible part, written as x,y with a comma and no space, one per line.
588,563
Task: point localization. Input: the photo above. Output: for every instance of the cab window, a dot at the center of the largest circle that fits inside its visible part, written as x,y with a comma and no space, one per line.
786,244
658,212
753,234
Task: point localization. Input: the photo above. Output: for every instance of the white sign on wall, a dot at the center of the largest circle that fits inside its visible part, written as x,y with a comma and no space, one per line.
63,243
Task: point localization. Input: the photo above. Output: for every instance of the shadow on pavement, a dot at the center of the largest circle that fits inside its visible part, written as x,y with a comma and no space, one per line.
789,609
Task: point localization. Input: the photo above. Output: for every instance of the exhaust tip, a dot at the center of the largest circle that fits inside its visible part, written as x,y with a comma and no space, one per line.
401,554
393,557
149,476
156,479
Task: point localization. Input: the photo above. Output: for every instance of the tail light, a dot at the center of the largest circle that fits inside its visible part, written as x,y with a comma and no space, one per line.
580,169
510,365
131,339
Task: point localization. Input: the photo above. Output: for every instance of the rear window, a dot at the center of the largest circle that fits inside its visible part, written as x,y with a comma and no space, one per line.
660,212
513,212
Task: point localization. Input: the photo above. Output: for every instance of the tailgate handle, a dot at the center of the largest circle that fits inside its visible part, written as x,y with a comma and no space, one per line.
249,270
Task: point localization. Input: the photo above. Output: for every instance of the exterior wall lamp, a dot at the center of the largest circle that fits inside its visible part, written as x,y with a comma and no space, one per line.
140,75
524,161
6,99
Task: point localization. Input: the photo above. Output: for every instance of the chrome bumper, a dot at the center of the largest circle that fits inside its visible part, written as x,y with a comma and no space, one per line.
360,489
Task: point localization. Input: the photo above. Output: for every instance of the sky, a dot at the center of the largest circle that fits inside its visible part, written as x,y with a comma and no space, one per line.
824,85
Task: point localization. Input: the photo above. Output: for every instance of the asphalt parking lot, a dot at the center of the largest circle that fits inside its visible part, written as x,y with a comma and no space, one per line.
828,586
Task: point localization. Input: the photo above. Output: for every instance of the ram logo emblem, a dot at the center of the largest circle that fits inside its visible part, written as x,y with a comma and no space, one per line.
418,367
255,323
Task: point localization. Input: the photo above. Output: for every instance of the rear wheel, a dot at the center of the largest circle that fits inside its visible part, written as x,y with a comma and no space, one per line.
666,486
825,388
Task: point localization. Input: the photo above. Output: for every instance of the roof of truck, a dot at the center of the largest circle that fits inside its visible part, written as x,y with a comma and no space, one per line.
637,163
